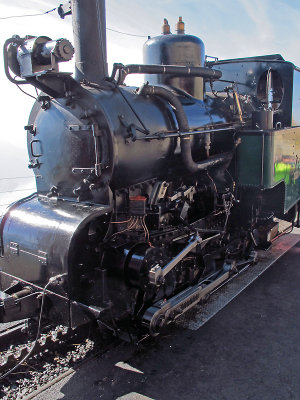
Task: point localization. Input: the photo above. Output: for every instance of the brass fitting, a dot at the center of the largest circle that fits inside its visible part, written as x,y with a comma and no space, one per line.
166,28
180,26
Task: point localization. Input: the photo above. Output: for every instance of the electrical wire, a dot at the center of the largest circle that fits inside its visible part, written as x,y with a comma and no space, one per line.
141,222
29,15
147,232
215,187
118,222
35,98
145,229
50,11
51,280
128,34
132,222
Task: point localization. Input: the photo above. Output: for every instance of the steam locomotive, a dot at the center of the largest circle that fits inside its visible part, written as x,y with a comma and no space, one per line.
147,198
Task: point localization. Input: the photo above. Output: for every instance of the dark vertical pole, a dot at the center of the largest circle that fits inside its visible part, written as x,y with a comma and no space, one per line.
89,29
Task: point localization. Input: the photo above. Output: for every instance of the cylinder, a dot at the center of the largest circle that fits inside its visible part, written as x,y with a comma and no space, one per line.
89,29
179,49
62,49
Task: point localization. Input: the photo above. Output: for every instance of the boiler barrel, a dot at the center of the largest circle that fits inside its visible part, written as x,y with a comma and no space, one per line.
64,141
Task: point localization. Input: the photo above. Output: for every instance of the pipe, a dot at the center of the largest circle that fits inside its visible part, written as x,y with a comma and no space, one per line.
164,135
183,125
89,29
269,90
238,105
13,40
26,291
176,70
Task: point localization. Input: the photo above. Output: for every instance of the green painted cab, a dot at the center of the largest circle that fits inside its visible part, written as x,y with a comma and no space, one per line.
269,158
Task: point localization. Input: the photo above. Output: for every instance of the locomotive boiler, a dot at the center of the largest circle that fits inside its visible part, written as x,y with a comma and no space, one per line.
147,198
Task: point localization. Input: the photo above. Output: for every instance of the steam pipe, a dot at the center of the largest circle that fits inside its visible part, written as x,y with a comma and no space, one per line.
176,70
89,29
183,125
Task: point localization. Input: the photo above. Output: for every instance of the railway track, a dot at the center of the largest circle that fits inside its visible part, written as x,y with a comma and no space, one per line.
57,354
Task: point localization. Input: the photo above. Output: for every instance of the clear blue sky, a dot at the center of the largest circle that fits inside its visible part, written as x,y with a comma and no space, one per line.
229,28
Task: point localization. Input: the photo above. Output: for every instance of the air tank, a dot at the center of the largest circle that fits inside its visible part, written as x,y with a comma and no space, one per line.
176,49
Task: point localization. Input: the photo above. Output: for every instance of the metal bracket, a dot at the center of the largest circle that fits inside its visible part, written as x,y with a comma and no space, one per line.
31,129
42,257
130,128
158,192
46,102
155,275
77,128
14,248
83,171
188,193
6,301
96,134
34,164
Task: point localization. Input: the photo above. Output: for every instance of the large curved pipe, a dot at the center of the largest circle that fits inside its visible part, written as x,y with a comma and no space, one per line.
183,125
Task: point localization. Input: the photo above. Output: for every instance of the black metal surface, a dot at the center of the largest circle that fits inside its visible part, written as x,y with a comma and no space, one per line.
183,126
89,29
130,165
47,251
263,119
178,49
